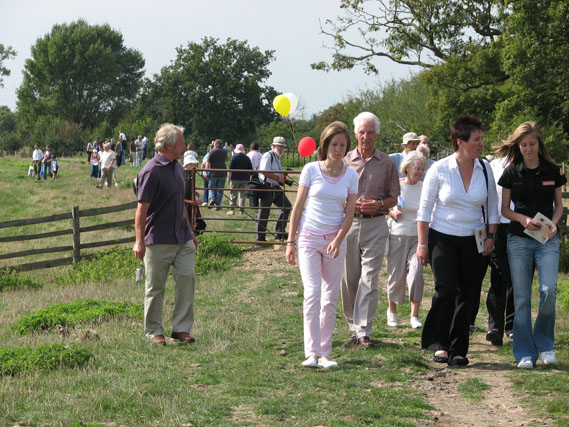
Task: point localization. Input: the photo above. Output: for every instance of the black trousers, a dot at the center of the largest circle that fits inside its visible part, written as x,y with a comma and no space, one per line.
501,293
279,199
458,270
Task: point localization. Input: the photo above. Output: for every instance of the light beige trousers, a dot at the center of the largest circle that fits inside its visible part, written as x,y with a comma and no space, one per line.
157,261
360,280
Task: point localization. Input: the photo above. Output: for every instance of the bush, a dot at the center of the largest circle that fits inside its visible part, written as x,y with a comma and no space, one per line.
9,279
215,254
103,267
15,361
71,314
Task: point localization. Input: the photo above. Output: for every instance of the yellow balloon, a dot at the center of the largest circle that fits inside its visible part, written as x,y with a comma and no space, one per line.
282,105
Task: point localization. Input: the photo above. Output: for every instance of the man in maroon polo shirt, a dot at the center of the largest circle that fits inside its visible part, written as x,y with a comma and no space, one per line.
164,237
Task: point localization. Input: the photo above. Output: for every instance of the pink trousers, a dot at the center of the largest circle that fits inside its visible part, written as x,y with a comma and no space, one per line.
321,275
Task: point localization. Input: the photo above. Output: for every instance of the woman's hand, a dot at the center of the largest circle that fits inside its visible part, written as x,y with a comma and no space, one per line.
551,233
423,255
530,224
488,247
334,247
395,214
290,254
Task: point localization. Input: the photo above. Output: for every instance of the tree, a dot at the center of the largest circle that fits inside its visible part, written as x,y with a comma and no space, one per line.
410,32
214,90
6,53
79,73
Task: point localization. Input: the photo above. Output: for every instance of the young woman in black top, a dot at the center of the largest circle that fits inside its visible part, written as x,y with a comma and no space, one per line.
533,182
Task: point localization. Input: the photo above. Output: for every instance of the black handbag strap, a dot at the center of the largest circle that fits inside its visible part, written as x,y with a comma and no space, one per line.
486,179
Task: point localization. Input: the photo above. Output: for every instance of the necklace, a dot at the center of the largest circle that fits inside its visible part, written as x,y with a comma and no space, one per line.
332,172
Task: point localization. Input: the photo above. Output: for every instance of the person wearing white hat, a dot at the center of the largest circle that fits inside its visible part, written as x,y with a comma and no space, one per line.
271,160
410,141
238,180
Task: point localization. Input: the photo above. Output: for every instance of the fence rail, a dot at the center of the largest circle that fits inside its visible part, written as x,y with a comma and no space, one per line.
75,230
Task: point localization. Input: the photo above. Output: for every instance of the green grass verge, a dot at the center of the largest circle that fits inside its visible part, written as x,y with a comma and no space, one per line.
473,389
14,361
71,314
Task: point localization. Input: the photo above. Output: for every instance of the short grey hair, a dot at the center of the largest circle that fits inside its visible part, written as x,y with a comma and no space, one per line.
367,116
409,159
425,148
166,136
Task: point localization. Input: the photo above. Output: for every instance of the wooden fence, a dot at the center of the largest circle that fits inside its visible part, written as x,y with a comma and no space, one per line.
76,231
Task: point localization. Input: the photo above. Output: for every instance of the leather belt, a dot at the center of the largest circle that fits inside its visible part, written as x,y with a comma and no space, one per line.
362,215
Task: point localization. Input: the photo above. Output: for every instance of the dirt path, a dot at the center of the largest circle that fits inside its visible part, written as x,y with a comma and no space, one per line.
499,404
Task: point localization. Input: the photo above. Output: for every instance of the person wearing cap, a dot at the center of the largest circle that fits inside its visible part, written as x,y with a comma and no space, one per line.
271,160
410,141
238,180
378,188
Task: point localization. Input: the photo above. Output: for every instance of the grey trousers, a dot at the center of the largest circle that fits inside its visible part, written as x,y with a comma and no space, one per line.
360,280
157,261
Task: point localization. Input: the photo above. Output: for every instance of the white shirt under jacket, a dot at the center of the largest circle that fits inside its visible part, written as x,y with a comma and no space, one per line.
446,204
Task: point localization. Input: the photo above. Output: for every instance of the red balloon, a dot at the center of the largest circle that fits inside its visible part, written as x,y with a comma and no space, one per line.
306,146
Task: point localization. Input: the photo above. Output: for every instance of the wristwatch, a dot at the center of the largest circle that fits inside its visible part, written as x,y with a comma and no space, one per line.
491,236
382,205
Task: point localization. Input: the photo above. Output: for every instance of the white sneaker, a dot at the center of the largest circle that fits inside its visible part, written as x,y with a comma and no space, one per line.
116,184
392,319
311,362
230,212
525,363
327,363
548,357
416,323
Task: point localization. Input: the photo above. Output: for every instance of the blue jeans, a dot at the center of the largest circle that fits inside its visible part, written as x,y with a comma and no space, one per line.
522,254
46,170
216,195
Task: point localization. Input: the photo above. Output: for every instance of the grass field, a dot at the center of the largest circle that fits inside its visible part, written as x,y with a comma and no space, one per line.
244,368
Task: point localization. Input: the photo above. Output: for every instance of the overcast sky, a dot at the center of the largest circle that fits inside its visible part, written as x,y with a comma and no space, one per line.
155,28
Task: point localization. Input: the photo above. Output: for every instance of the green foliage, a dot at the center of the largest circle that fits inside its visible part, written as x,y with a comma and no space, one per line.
215,254
214,90
10,141
14,361
103,267
6,53
71,314
563,294
79,73
9,279
564,254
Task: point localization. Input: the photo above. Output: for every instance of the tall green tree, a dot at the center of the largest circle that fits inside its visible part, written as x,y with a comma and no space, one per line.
215,90
81,74
6,53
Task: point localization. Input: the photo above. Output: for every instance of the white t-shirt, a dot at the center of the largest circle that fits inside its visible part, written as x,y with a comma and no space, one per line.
37,154
449,207
106,157
255,157
324,208
408,204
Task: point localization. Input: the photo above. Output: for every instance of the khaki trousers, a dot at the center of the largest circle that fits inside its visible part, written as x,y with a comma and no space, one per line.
360,281
157,261
404,266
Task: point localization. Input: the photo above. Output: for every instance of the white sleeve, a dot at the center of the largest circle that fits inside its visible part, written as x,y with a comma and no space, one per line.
306,175
429,194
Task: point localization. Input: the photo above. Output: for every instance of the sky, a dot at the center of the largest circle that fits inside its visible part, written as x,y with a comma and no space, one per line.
156,28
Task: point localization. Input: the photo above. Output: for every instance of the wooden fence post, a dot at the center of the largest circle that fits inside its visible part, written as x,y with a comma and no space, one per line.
76,235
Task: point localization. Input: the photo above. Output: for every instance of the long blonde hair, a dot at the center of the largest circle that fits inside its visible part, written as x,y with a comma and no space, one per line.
510,148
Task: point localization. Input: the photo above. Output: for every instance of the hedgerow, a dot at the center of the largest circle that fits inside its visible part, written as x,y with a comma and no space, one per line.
15,361
71,314
9,279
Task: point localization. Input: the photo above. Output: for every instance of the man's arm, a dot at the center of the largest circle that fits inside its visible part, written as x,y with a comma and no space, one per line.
139,227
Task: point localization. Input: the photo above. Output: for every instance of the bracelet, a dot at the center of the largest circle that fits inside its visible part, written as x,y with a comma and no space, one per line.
422,246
